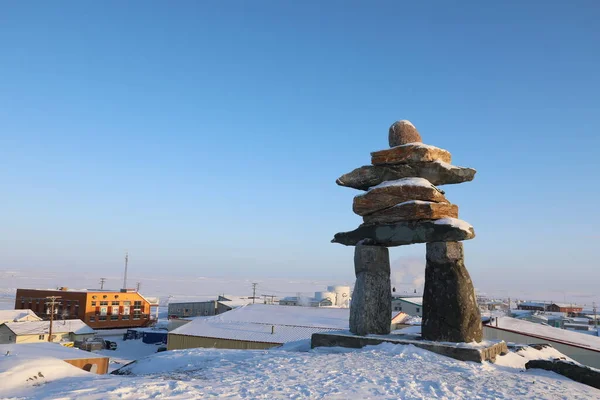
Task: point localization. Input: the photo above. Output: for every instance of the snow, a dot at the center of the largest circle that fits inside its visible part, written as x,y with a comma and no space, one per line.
421,145
455,222
318,317
126,352
268,323
16,315
413,300
547,332
404,182
385,371
45,349
24,376
75,326
248,331
519,358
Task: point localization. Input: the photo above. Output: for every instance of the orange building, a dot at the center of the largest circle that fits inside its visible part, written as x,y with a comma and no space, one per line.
100,309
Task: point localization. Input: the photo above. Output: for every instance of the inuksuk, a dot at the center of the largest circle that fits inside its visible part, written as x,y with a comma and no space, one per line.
402,205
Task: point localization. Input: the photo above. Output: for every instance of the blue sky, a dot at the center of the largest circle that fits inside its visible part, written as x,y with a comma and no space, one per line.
206,137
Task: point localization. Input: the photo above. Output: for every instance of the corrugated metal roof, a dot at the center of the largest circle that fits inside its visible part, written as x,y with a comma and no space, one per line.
75,326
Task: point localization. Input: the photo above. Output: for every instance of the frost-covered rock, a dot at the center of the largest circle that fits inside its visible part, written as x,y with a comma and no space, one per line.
408,232
411,211
390,193
403,132
411,152
437,172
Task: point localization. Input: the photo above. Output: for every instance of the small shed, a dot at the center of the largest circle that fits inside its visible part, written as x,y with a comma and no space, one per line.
90,362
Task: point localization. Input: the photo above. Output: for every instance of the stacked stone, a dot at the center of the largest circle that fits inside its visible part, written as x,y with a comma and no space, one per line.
403,206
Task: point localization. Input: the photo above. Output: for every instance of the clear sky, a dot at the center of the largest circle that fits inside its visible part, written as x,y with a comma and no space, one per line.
206,137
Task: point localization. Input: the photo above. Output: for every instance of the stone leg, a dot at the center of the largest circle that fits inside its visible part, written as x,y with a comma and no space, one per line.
450,311
371,306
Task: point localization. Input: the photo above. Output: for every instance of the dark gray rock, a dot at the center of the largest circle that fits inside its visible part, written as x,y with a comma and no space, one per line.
450,311
578,373
403,132
371,306
407,232
435,172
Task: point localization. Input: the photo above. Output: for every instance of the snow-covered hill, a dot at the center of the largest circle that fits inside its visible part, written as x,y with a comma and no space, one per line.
382,372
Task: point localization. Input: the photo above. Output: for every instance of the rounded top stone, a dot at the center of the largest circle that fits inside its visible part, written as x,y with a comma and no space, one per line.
403,132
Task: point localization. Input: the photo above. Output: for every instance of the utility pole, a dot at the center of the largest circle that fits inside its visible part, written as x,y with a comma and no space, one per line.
595,319
102,280
125,275
52,303
254,291
137,286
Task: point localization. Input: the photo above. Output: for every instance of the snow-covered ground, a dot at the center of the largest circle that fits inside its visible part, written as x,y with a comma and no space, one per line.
383,372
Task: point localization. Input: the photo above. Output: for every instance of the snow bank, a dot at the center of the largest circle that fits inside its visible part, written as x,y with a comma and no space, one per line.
17,374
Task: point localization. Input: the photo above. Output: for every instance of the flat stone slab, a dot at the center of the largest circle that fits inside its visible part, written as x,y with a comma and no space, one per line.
476,352
408,232
391,193
436,172
412,210
411,152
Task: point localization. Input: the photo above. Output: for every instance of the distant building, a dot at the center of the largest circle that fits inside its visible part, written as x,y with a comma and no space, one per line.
565,308
258,326
37,331
412,306
17,316
213,307
100,309
531,306
85,360
338,296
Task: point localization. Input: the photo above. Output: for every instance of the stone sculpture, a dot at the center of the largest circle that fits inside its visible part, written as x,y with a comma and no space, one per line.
402,205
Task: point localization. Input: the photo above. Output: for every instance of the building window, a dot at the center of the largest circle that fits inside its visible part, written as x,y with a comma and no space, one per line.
127,303
137,314
418,310
93,303
114,317
137,304
115,303
102,318
125,318
105,296
104,303
41,337
92,319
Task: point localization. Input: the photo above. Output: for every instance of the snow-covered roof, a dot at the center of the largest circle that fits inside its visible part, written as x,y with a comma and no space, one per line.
413,300
321,317
547,332
532,304
238,301
566,305
75,326
45,349
254,322
247,331
15,315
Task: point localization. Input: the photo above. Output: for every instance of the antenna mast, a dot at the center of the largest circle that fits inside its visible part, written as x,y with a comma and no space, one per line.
125,275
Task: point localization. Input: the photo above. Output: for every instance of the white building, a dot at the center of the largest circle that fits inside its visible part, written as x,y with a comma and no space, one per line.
17,316
38,331
410,305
